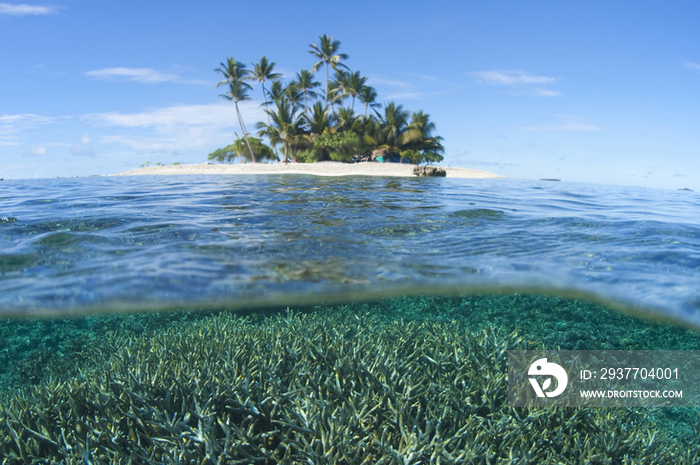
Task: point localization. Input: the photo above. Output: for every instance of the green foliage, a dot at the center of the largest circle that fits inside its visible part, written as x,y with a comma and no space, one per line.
306,155
368,96
262,71
276,93
234,73
306,84
431,157
326,130
318,121
239,149
330,146
410,140
286,127
340,146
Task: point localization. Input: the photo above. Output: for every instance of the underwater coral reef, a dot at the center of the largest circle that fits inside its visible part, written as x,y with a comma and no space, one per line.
330,386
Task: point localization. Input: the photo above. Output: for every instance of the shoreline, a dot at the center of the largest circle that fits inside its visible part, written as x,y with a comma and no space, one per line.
326,168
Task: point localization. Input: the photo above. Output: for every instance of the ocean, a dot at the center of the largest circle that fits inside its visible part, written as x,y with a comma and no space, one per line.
304,319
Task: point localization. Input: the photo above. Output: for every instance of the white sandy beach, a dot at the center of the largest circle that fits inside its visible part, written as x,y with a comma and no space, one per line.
318,169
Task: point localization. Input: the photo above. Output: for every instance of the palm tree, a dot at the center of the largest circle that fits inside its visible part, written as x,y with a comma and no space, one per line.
276,92
394,124
306,83
262,71
286,127
293,93
368,96
337,90
234,73
386,137
318,122
354,84
344,119
326,53
418,138
336,93
420,128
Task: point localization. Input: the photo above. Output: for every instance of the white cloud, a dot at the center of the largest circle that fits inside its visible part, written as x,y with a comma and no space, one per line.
414,87
37,151
425,77
178,127
404,96
513,77
143,75
84,148
483,163
545,93
11,125
692,65
29,117
214,115
163,145
23,10
287,74
133,74
387,82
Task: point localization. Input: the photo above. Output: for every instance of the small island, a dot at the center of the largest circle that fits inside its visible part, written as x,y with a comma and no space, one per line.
328,168
311,125
316,132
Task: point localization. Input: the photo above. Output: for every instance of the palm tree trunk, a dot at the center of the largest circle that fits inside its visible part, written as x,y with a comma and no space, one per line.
268,119
326,85
245,133
265,102
305,108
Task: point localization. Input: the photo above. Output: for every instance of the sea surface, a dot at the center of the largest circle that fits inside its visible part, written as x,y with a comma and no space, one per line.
294,319
104,244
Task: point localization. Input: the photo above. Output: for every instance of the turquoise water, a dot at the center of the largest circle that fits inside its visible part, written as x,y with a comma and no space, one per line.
331,320
125,243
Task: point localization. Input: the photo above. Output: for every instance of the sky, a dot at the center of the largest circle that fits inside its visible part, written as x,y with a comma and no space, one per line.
599,91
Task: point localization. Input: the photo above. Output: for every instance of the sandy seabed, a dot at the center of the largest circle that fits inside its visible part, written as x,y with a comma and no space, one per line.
317,169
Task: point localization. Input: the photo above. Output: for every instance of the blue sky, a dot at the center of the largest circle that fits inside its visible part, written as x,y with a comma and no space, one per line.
599,91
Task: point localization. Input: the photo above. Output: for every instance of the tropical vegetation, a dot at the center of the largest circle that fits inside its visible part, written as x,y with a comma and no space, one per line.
234,72
309,124
238,150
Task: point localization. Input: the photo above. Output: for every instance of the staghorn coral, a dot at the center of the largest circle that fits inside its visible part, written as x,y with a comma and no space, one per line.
322,388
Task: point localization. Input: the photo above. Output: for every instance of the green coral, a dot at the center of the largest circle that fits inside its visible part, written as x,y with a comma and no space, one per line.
396,381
